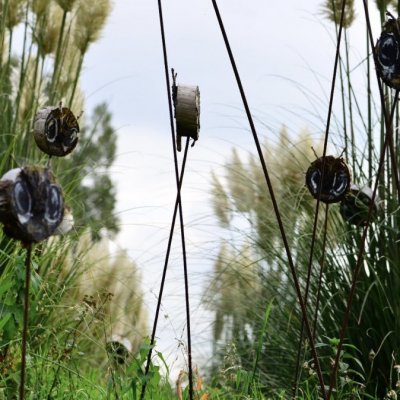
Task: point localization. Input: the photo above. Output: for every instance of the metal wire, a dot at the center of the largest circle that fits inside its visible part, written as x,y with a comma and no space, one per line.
273,199
178,205
389,127
321,271
314,233
162,285
28,259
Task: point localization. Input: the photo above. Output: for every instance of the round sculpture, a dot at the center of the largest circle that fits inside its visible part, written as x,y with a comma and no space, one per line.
355,206
119,348
387,53
56,130
31,203
335,182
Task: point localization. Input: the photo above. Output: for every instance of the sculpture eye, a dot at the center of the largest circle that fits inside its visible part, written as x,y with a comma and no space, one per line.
314,181
340,184
54,205
72,134
52,130
22,201
389,50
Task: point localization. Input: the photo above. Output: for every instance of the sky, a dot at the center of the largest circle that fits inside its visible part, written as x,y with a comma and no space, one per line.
284,52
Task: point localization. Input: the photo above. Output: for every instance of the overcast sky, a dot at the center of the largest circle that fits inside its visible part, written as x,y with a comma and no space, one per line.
284,52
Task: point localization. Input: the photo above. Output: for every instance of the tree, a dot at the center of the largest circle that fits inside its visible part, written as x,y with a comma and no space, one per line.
86,175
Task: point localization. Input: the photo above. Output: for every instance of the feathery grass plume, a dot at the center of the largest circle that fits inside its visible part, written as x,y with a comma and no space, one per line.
67,70
287,162
127,314
14,12
4,50
28,92
113,284
47,33
39,7
233,290
220,201
332,10
238,184
66,5
90,20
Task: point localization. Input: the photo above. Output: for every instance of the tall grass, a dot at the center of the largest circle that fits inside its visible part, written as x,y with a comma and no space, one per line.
71,322
255,273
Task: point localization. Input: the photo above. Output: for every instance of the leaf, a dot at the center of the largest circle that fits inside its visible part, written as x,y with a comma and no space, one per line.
4,320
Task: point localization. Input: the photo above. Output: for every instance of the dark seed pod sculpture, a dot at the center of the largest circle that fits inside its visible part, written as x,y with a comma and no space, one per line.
31,203
336,179
387,53
56,130
355,206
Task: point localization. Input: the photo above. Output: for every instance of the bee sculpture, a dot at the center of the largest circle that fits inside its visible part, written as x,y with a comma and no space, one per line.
56,130
31,203
355,206
387,53
335,183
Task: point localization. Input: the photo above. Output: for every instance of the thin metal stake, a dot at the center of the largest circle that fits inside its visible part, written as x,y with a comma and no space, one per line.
26,319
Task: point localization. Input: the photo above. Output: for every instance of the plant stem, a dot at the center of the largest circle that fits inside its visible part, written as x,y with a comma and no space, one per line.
76,80
353,151
57,59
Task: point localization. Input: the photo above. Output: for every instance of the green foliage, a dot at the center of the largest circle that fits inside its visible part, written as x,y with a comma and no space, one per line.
70,324
87,174
242,204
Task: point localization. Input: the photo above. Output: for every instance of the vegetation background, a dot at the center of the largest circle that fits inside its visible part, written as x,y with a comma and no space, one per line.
248,297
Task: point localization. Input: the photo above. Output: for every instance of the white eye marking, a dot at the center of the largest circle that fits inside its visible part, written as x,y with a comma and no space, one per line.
315,180
52,130
73,132
339,184
22,201
54,205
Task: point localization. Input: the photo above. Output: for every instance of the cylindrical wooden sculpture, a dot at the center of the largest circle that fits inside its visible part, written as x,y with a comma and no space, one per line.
31,203
355,206
336,179
187,112
56,130
387,53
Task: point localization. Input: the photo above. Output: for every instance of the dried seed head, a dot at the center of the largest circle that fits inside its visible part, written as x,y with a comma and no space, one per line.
371,355
40,7
332,10
391,395
14,13
91,17
66,5
49,30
